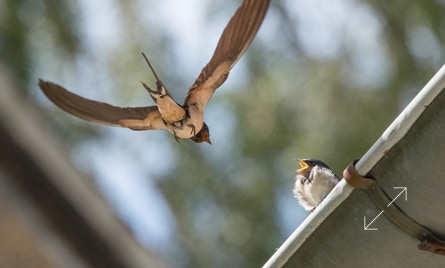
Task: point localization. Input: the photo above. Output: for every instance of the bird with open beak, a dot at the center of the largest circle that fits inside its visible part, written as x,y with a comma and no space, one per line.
313,182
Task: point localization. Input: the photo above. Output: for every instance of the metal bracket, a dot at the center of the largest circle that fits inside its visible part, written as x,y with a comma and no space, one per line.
429,242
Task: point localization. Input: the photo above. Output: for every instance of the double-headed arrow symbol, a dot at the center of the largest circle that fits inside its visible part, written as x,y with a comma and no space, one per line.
366,226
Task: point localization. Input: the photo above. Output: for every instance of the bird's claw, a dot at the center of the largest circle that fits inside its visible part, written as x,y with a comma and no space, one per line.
193,132
176,137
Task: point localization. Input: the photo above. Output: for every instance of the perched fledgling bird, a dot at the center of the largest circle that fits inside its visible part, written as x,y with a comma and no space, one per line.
184,121
313,183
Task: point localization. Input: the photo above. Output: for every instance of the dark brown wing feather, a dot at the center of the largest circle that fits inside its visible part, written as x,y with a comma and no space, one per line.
234,40
138,118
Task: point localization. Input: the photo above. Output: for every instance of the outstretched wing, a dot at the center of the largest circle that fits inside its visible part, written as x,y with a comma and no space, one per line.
234,40
136,118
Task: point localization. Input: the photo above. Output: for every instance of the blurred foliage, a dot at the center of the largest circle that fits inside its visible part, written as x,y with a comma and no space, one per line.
292,103
19,24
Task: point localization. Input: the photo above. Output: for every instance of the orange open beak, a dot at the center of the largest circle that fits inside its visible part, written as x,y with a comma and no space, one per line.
303,165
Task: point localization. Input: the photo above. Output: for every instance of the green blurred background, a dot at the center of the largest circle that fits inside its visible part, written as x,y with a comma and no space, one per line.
322,79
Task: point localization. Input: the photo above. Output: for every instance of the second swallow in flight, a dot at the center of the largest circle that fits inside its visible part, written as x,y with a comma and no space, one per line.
184,121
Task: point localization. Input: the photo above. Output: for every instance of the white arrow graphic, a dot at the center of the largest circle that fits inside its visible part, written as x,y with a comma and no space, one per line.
366,226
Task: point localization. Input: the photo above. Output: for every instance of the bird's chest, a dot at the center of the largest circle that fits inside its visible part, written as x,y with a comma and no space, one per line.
322,184
188,127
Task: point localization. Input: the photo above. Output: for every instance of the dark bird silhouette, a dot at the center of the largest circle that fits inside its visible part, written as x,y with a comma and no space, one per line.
184,121
314,181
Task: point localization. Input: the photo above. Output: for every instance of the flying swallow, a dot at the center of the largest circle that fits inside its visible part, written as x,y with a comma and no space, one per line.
314,181
184,121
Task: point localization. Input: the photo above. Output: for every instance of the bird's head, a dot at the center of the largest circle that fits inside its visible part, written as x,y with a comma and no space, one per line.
203,135
308,164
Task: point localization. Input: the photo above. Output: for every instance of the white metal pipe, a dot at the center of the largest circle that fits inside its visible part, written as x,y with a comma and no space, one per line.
392,135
